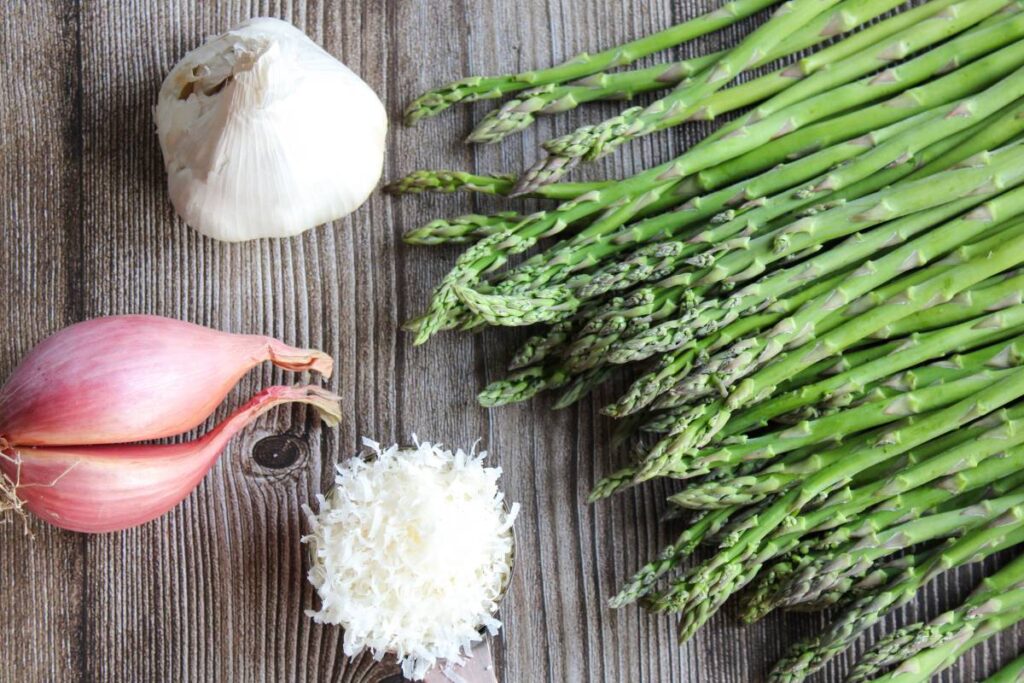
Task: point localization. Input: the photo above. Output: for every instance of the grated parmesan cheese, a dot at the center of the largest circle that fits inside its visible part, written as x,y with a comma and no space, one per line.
412,550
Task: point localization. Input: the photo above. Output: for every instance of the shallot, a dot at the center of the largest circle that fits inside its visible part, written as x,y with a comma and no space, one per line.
69,411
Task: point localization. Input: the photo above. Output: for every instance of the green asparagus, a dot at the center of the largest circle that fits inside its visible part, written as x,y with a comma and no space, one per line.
476,88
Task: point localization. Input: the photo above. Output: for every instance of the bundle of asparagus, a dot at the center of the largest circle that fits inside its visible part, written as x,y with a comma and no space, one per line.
824,301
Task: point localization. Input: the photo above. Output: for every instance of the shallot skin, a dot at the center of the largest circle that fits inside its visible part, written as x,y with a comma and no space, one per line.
132,378
99,489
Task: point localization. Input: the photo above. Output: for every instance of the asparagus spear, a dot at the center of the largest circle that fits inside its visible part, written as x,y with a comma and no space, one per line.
695,428
446,311
1007,292
926,12
988,329
677,331
462,229
660,258
527,382
838,426
742,260
500,185
778,477
821,91
1013,672
809,656
673,366
688,429
984,477
641,583
700,207
456,230
908,353
951,463
705,588
710,315
481,87
834,367
946,370
517,114
856,559
605,339
760,602
763,601
790,17
962,461
894,148
994,618
998,595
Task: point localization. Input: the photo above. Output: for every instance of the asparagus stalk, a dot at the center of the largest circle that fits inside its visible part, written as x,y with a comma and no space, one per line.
667,224
446,311
518,114
809,656
804,90
911,351
527,382
462,229
641,583
790,17
950,463
466,229
821,91
565,263
606,339
695,428
647,389
761,600
741,261
857,559
778,477
484,87
868,366
946,370
893,149
1013,672
994,618
499,185
710,315
705,588
1007,292
983,477
1000,470
661,257
998,595
838,426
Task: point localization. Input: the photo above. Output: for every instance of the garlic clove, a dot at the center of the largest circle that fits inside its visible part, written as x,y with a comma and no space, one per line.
264,134
131,378
99,489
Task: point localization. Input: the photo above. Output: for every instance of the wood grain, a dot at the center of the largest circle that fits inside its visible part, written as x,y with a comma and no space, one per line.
215,591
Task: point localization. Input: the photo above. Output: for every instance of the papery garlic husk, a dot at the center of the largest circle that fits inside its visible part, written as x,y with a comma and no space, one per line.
98,489
264,134
132,378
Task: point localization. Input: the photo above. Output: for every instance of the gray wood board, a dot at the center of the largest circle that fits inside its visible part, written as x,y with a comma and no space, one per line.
216,590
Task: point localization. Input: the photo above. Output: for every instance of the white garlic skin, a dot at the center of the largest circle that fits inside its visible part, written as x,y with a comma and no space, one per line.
264,134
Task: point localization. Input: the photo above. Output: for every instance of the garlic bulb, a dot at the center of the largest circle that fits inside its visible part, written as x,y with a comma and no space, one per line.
264,134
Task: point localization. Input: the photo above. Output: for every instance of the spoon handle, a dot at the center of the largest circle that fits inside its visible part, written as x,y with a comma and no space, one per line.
478,669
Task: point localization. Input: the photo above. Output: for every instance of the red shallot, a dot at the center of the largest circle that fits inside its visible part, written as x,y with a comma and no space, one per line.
132,377
69,410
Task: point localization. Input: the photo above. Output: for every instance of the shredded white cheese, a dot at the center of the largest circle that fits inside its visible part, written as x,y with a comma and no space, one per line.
412,551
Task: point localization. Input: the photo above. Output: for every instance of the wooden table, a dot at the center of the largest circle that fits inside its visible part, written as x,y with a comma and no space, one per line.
216,590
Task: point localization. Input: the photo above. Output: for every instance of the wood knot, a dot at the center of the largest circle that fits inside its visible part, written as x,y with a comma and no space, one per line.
278,451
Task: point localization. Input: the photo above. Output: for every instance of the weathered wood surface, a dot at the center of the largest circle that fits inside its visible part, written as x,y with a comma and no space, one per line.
216,590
